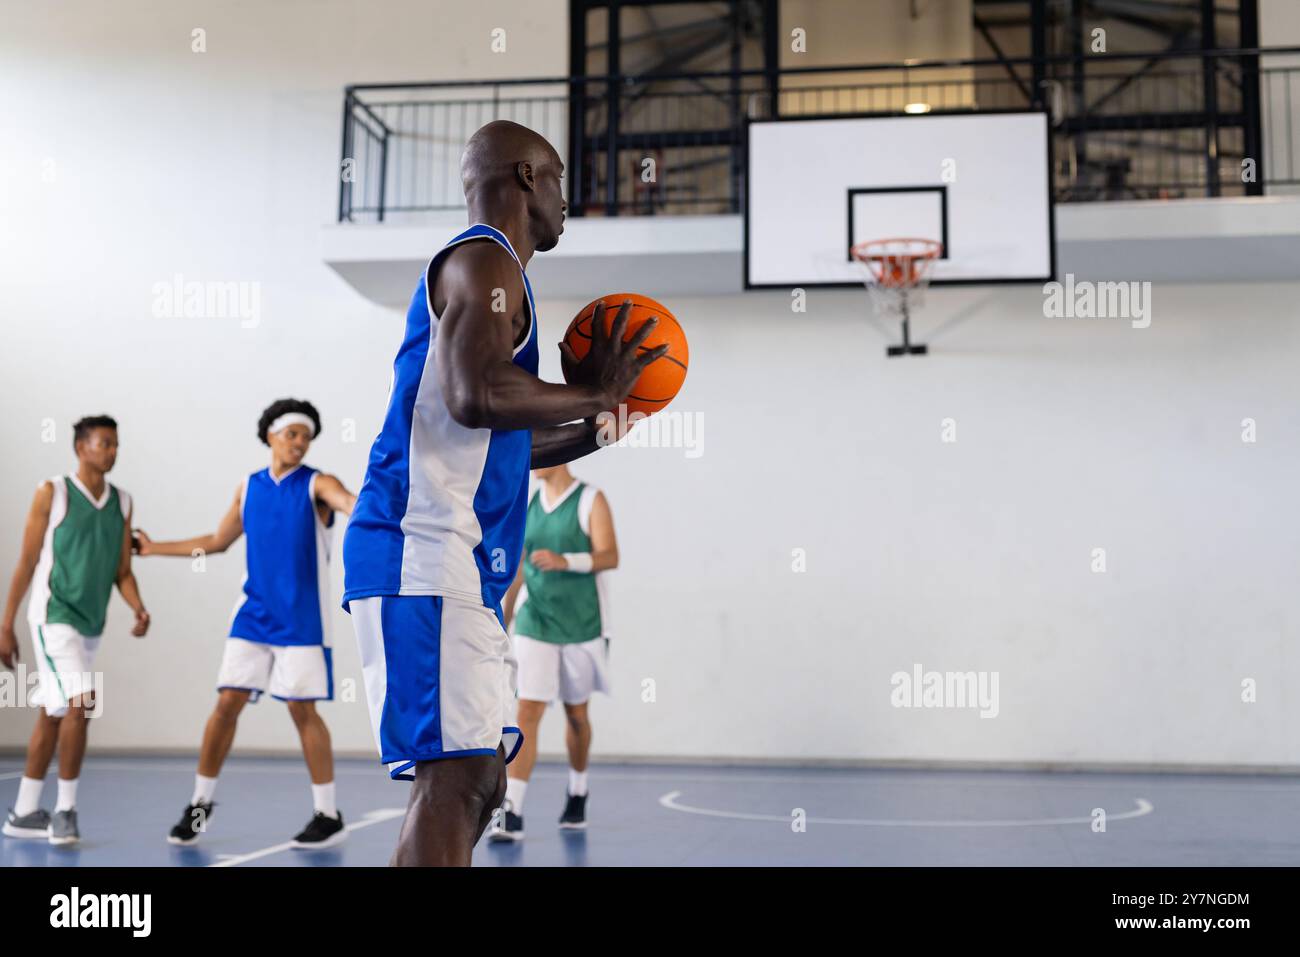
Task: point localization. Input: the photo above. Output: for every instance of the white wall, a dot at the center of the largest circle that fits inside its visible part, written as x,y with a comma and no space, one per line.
1279,23
1072,434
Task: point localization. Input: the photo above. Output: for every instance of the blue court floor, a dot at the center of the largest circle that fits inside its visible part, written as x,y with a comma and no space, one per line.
699,815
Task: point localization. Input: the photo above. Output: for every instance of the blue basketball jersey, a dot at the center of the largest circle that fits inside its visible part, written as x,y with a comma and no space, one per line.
287,581
442,507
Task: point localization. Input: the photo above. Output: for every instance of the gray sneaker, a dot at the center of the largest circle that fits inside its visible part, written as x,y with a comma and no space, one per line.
34,825
63,828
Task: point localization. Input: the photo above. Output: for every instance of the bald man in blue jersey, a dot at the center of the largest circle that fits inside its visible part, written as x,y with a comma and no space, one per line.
435,538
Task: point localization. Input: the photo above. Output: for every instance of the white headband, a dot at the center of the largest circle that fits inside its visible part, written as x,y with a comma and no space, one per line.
292,418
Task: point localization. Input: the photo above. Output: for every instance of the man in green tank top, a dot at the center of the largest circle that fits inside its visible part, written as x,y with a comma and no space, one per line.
76,547
561,632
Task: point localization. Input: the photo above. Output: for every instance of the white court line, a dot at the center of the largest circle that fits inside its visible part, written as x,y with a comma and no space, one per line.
854,776
367,819
811,775
670,801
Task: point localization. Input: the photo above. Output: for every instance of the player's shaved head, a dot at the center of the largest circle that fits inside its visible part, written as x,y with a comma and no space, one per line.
493,154
511,176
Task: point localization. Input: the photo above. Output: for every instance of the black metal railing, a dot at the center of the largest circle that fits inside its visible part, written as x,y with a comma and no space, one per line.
1126,126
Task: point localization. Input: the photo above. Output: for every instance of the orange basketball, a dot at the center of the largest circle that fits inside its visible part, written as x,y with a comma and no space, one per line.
661,379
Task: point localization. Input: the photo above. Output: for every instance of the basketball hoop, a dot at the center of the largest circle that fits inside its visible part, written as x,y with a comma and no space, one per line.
896,273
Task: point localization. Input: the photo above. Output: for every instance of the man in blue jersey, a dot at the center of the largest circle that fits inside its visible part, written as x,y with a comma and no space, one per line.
439,525
278,640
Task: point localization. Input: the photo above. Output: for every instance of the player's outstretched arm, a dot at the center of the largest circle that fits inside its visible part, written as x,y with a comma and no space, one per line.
230,528
38,519
127,585
483,388
334,494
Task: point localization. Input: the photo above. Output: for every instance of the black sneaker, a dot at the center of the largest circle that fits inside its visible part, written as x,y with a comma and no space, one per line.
192,823
506,826
321,831
574,817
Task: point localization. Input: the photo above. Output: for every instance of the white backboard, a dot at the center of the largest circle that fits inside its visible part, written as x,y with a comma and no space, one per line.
979,183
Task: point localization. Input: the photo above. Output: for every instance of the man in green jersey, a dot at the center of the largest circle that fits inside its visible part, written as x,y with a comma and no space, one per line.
561,631
76,547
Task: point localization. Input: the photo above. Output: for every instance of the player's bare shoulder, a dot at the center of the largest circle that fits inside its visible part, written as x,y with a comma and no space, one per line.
43,501
480,274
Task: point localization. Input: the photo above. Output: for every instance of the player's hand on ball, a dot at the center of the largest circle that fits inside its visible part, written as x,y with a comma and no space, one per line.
548,561
141,623
612,365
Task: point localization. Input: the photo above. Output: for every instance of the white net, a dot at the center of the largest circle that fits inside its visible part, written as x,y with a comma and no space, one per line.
896,272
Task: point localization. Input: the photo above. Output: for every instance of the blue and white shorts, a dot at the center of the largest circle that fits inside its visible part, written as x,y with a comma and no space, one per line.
440,679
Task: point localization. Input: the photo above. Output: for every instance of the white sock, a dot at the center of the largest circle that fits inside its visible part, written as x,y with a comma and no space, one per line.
29,795
322,796
577,783
67,795
515,789
204,788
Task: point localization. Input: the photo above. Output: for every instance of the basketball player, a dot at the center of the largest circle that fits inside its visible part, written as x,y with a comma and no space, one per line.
561,632
439,523
277,642
76,547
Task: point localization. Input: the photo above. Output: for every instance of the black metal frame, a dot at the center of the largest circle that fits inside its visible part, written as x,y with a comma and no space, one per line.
360,121
1251,102
1249,118
350,104
614,140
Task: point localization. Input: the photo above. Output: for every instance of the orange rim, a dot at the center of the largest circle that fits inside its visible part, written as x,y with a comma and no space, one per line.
897,263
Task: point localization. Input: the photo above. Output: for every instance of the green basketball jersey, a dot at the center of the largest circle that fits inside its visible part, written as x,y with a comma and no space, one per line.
80,556
561,607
